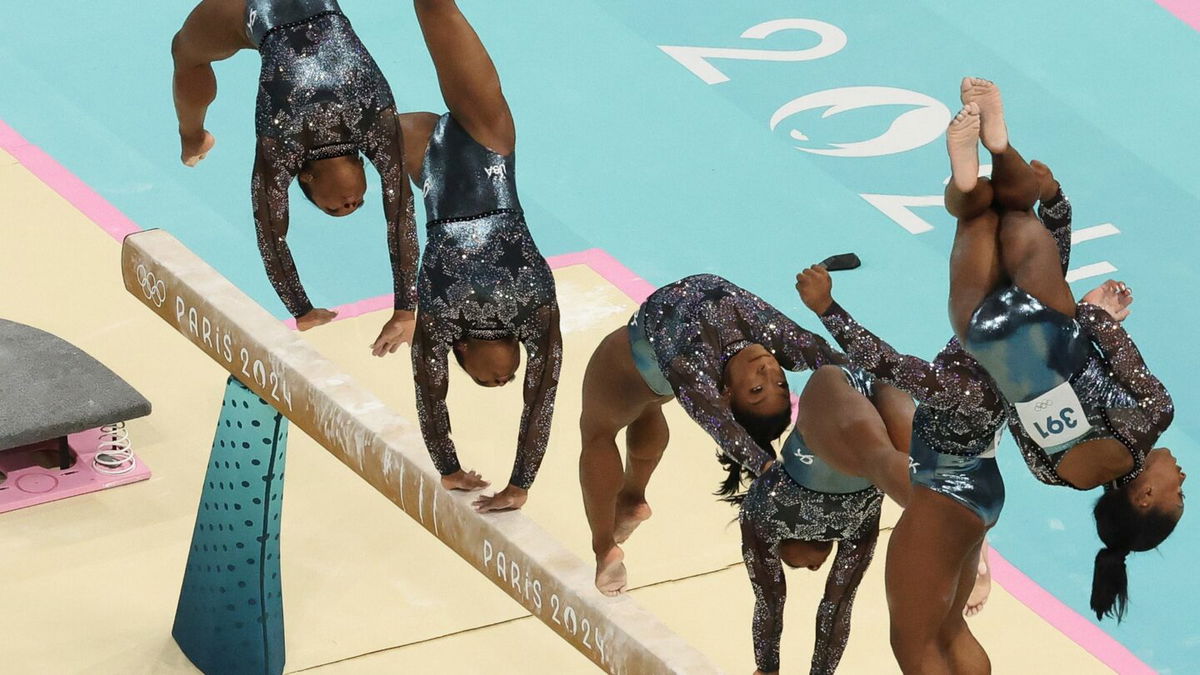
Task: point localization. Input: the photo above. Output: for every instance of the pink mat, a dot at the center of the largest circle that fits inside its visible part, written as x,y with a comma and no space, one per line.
28,484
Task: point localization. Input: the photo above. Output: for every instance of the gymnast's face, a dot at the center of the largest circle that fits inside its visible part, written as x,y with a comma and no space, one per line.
336,185
755,383
797,553
491,363
1160,485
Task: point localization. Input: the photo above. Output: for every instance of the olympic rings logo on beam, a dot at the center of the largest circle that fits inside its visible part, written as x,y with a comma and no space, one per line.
153,288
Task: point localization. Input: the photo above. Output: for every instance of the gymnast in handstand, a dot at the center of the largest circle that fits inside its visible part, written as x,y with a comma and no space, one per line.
485,289
322,105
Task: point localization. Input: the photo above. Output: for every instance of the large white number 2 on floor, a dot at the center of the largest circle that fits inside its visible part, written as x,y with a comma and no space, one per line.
696,59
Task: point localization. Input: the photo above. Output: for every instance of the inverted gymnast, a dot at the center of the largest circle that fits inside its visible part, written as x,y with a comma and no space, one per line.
955,493
484,287
1084,408
321,101
794,512
721,351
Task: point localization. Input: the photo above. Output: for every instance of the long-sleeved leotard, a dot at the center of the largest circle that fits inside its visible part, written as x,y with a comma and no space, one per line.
321,95
1055,214
960,408
1121,398
777,508
1137,426
696,325
481,277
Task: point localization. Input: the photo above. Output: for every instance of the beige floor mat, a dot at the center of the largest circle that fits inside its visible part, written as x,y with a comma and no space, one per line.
366,589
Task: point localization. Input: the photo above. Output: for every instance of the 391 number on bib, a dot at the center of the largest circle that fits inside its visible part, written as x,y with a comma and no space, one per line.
1054,418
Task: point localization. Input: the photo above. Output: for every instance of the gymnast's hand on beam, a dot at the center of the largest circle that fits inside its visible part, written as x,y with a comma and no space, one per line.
1113,297
508,499
315,317
397,331
815,288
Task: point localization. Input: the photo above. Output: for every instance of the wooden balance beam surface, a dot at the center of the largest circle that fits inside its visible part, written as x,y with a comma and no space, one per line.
388,452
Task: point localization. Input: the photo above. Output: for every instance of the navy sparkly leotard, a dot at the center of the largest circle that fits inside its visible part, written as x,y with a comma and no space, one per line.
481,277
321,95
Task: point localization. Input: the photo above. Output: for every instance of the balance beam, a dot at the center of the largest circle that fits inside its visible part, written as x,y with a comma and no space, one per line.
387,451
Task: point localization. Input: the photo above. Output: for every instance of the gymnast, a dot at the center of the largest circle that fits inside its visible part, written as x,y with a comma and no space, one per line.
955,492
1084,407
322,102
794,512
721,351
484,287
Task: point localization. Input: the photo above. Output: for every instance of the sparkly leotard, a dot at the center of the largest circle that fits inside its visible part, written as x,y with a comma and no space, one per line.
481,277
321,95
958,417
696,325
644,359
1031,350
805,498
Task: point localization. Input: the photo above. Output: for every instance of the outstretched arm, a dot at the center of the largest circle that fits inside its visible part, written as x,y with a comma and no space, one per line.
942,385
1055,214
276,164
794,347
468,78
698,390
386,152
432,381
1155,409
385,149
543,348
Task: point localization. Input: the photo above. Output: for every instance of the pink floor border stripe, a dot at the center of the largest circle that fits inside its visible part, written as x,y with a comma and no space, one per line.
1068,622
68,185
1187,11
1042,602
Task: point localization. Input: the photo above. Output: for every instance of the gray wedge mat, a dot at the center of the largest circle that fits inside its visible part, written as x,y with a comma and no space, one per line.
51,388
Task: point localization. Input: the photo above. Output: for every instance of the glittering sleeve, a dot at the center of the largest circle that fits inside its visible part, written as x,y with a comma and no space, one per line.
432,380
1155,409
833,614
1055,214
276,164
543,348
770,594
945,383
794,347
385,149
696,385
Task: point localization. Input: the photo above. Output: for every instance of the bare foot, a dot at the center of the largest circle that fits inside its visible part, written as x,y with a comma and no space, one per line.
962,141
467,481
610,572
994,133
195,148
983,585
629,516
1047,185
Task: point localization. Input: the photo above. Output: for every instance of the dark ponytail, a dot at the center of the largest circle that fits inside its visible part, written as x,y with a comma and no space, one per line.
1110,584
1123,528
764,430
